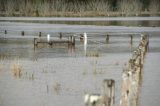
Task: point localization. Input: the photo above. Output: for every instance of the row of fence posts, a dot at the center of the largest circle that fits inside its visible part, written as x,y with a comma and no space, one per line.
36,41
22,32
81,37
132,74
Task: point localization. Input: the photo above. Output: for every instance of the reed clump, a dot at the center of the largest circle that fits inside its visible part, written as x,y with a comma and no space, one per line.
92,54
16,69
77,8
3,57
57,87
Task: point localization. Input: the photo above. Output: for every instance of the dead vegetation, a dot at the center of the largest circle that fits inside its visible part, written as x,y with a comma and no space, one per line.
3,56
76,8
92,54
57,88
16,69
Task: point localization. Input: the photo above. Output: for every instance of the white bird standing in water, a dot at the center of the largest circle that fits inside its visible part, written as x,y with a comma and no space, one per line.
48,37
85,42
85,38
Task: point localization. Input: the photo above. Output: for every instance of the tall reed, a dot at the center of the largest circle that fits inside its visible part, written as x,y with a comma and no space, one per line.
16,69
10,8
129,7
75,7
154,7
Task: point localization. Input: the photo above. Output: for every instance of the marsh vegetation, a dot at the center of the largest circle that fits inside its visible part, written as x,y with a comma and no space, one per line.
78,8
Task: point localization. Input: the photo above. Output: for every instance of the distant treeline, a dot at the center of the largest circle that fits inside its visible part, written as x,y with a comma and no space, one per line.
78,7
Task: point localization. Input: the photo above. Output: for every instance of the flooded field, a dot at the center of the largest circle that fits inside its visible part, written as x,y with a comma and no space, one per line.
59,76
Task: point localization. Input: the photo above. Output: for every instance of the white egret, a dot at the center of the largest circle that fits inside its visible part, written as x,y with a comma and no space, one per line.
48,37
85,38
85,42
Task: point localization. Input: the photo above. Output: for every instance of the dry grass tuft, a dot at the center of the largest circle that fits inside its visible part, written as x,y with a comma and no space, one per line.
95,71
84,72
98,71
3,57
92,54
117,63
31,77
57,88
16,69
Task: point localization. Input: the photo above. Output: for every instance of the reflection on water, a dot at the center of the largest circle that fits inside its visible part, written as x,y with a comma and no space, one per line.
147,23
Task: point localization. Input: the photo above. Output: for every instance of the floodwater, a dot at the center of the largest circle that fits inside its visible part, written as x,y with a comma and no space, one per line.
60,76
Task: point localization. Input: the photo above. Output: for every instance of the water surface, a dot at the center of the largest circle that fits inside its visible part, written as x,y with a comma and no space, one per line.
58,75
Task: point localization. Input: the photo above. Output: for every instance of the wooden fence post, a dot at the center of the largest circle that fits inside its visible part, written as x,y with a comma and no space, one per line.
5,32
107,38
22,33
131,41
35,43
40,34
60,35
108,92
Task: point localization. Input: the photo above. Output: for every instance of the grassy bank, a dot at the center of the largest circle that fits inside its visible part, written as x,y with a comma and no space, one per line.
90,8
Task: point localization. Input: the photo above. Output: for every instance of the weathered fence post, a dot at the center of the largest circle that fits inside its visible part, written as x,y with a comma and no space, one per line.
40,34
108,92
72,40
5,32
148,44
35,43
131,41
107,38
60,35
22,33
81,37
